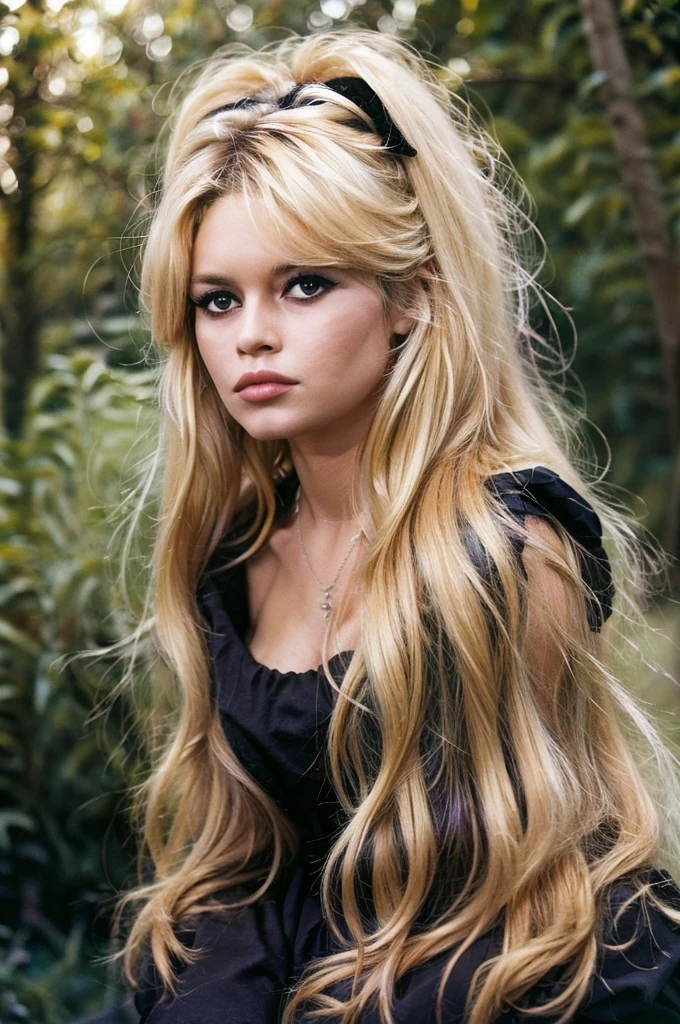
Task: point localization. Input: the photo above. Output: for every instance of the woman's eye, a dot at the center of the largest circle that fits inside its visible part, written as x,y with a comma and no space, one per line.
309,285
214,303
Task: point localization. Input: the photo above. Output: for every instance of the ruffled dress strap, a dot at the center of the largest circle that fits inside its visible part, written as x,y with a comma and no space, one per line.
539,491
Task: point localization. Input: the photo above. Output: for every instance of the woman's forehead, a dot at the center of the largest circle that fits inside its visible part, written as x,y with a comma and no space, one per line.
233,224
238,231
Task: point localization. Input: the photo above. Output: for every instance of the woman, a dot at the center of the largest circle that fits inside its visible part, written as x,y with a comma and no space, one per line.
395,777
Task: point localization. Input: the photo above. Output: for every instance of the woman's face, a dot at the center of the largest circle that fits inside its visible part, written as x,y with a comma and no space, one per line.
324,329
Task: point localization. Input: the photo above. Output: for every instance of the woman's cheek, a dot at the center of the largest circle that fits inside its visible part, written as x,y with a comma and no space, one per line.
215,358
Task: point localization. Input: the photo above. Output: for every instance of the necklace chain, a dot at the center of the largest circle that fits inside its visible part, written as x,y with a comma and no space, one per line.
325,605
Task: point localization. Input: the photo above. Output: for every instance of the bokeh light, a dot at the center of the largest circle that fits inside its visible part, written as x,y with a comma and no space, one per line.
8,181
9,38
57,85
152,26
387,24
404,12
240,18
88,43
318,20
334,8
111,50
459,66
159,48
112,8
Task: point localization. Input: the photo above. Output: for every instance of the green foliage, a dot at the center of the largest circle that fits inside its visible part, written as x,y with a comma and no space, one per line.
63,839
85,94
526,70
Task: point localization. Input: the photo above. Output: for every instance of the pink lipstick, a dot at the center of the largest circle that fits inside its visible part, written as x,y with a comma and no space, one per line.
260,392
256,387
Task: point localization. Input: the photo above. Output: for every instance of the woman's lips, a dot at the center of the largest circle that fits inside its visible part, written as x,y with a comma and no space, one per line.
260,392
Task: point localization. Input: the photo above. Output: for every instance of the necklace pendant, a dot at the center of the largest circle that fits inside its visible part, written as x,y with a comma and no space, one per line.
325,605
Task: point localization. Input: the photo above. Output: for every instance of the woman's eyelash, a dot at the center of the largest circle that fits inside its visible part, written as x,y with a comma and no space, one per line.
319,280
204,301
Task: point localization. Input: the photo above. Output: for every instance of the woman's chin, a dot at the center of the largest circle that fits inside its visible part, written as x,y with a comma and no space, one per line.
291,430
269,432
267,435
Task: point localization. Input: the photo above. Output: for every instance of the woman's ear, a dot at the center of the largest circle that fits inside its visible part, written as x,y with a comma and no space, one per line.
427,273
402,322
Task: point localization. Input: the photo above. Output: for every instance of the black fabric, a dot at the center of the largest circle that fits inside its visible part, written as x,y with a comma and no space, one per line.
540,491
276,723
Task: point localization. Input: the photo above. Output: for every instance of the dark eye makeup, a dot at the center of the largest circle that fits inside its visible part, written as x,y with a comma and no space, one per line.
320,285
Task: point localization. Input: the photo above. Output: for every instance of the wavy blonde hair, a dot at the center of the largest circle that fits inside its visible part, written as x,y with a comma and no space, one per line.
549,784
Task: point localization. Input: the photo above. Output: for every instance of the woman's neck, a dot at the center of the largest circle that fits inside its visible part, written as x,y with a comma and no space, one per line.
326,486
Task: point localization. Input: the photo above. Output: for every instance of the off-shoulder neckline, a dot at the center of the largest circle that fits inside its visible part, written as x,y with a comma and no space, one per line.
282,673
285,488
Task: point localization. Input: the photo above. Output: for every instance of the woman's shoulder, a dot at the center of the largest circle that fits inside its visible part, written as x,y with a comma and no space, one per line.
542,492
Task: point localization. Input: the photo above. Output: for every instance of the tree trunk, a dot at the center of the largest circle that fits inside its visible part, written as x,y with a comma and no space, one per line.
649,219
19,356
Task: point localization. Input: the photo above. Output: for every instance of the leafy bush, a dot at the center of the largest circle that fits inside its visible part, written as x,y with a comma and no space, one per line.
64,847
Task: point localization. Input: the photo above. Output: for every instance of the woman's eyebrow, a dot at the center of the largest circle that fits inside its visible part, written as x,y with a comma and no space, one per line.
223,281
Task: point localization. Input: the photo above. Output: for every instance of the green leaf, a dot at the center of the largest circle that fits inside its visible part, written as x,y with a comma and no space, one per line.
660,78
645,35
12,488
13,819
17,639
591,82
577,210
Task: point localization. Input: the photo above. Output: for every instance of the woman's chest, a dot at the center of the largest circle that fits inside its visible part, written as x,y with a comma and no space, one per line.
288,613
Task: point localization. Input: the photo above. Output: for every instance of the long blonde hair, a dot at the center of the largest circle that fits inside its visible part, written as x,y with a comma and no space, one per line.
552,794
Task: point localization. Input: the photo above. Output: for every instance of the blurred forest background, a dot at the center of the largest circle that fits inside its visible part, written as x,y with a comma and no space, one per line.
83,90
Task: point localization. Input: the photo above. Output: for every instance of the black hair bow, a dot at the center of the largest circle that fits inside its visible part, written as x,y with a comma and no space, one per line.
352,88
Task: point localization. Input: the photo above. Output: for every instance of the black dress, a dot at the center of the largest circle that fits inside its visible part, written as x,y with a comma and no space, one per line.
276,723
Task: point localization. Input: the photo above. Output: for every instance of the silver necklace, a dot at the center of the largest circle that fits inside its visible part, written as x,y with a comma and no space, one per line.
325,605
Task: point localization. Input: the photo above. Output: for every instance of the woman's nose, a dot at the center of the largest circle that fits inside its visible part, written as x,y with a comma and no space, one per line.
258,326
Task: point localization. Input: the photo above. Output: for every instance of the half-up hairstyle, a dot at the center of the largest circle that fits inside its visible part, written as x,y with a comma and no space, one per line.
475,791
